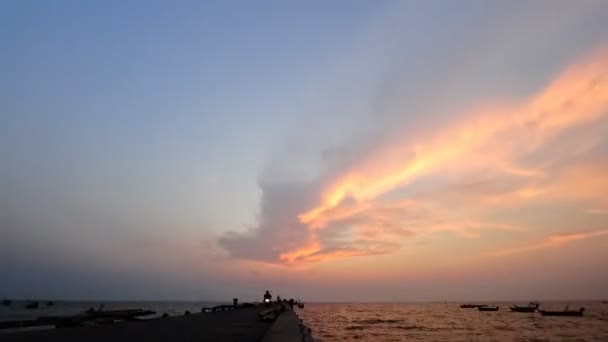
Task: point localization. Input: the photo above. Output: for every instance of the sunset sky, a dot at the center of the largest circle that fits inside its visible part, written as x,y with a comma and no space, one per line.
327,150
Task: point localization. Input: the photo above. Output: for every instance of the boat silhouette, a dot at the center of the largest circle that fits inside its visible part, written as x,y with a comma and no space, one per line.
32,305
472,306
531,307
565,312
488,308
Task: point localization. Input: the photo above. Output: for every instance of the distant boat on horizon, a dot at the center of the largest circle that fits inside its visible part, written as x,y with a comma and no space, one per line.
531,307
50,303
488,308
7,302
32,305
472,306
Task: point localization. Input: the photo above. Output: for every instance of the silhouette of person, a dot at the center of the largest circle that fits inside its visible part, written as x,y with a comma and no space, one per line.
267,297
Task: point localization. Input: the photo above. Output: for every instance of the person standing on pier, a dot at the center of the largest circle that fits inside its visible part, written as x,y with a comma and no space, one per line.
267,297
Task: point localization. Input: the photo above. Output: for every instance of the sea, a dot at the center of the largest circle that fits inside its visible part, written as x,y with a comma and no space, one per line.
18,311
366,322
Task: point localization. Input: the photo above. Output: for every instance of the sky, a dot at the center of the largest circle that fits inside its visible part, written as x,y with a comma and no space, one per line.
326,150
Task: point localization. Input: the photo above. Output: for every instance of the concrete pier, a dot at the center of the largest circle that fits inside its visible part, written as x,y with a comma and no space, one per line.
239,325
288,328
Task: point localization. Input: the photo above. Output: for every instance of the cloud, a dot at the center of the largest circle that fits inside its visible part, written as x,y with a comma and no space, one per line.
495,139
597,211
277,230
553,241
280,237
577,97
449,181
361,247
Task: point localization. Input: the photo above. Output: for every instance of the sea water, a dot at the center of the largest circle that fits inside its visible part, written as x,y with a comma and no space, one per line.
18,311
366,322
448,322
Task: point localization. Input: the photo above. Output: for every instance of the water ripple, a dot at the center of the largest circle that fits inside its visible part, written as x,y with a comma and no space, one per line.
448,322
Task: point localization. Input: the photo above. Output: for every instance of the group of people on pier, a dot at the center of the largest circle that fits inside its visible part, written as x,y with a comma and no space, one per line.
291,301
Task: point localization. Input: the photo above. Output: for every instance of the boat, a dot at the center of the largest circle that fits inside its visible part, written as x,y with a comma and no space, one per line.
119,314
531,307
32,305
565,312
301,305
605,301
472,306
488,308
50,303
517,308
7,302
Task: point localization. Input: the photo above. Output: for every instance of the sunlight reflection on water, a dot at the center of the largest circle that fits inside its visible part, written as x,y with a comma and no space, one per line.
448,322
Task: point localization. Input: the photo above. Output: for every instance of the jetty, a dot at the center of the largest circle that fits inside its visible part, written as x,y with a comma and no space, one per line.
270,322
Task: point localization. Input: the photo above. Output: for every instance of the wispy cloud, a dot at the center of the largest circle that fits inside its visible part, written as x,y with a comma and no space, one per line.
578,96
596,211
552,241
449,181
494,139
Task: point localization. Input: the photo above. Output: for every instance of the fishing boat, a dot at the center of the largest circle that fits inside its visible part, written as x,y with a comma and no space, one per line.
531,307
565,312
488,308
472,306
32,305
301,305
120,314
50,303
7,302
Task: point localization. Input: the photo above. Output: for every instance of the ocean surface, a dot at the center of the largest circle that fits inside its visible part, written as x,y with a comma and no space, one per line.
366,322
17,310
448,322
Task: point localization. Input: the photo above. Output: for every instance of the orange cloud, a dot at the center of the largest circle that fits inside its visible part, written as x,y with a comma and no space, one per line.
595,211
316,253
493,138
578,96
360,211
553,241
300,253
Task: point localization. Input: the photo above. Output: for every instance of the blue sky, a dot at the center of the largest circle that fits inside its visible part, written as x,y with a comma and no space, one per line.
150,119
141,138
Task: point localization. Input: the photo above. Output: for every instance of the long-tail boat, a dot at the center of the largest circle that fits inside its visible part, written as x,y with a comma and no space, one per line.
488,308
531,307
565,312
472,306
